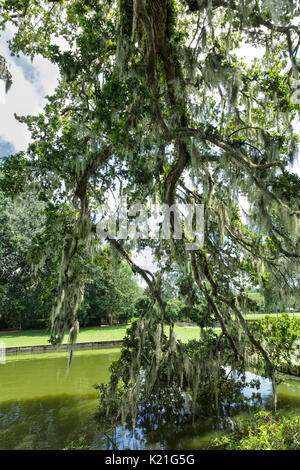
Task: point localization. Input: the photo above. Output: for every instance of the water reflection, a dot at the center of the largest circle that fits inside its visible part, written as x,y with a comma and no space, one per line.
154,432
46,423
42,408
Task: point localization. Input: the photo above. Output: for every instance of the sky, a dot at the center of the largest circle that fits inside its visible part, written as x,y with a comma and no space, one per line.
32,81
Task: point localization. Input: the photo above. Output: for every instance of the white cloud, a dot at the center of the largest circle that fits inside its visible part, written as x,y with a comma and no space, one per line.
31,82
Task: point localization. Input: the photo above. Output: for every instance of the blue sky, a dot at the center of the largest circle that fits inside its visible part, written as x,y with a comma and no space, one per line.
31,82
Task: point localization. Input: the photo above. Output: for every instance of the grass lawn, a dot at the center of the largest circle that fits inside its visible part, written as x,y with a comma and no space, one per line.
260,316
86,335
110,333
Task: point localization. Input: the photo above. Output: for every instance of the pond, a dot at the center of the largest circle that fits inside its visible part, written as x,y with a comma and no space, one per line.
42,407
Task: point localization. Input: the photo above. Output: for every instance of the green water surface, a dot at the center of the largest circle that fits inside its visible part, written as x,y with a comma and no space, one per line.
44,407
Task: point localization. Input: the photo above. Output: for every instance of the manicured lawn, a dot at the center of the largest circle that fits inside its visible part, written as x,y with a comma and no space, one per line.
110,333
86,335
186,333
260,316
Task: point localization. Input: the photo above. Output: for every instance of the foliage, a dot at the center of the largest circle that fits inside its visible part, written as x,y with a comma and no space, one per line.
78,444
258,301
274,300
21,292
279,336
263,431
25,292
110,293
204,383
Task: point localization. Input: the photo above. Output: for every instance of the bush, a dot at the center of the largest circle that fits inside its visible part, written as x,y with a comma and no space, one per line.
278,335
263,431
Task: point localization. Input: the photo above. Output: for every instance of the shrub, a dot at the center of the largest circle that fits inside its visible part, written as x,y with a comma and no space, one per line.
263,431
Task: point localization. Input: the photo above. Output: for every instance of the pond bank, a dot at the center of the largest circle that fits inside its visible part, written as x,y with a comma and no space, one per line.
63,347
286,369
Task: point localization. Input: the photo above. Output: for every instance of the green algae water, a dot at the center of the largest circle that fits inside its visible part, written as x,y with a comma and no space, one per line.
44,407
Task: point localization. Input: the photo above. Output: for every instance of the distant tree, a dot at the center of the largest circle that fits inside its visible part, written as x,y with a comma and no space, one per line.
275,298
110,292
21,292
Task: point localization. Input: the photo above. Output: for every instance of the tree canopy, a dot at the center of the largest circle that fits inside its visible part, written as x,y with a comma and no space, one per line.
155,101
27,290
